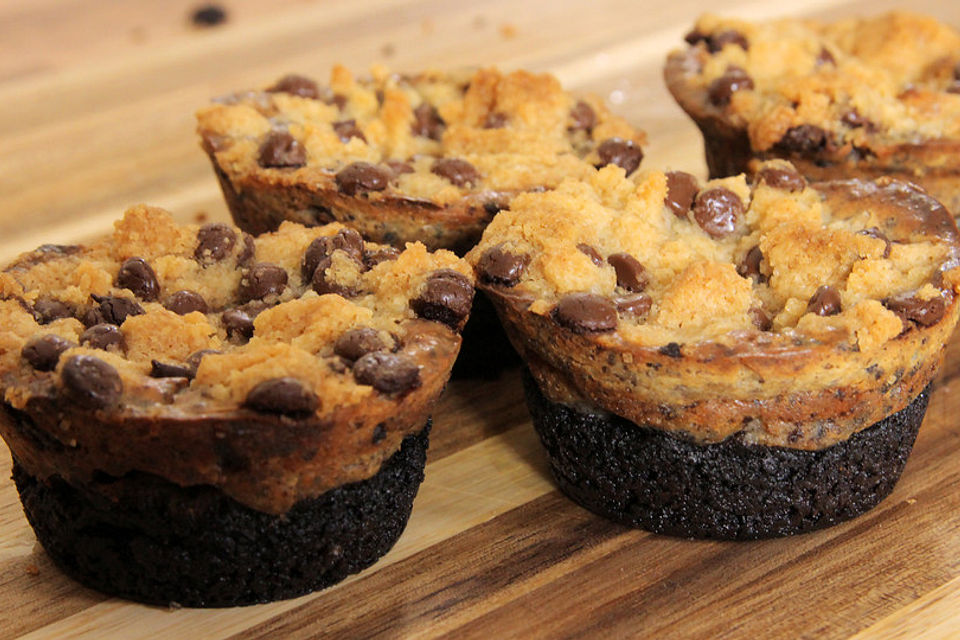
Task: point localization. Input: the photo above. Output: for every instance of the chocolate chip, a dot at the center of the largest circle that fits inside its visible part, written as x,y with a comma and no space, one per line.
761,319
459,172
237,323
499,266
804,138
347,240
749,267
682,189
387,372
717,41
585,313
626,154
357,343
91,382
46,310
193,360
630,273
208,15
694,36
853,119
717,211
874,232
215,241
446,297
281,150
44,352
286,396
346,129
824,302
784,179
296,85
671,350
582,117
734,79
260,281
135,274
383,254
103,336
427,122
495,120
591,253
185,301
111,309
322,283
248,251
637,304
925,313
825,57
379,433
337,99
360,177
164,370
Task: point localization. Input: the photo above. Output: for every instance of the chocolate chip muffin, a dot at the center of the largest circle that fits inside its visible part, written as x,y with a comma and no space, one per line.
201,417
723,360
860,98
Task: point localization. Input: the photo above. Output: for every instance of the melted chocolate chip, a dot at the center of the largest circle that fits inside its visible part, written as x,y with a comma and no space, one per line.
804,138
322,283
427,122
337,99
853,119
46,310
43,352
761,319
824,302
185,301
825,57
582,117
459,172
360,177
260,281
784,179
90,382
874,232
499,266
446,297
193,360
285,396
591,253
671,350
215,241
722,89
356,343
135,274
925,313
164,370
586,313
111,309
682,190
281,150
626,154
238,324
248,251
347,240
717,41
637,304
717,211
749,267
630,273
383,254
296,85
346,129
103,336
387,372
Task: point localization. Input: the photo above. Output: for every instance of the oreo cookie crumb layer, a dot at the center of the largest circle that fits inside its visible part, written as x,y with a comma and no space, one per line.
144,538
486,351
645,478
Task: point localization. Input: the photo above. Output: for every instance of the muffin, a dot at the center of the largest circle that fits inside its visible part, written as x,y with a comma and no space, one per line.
723,360
200,417
429,157
859,98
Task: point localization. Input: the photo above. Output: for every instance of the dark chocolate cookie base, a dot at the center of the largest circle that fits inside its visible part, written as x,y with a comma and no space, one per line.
646,478
486,351
159,543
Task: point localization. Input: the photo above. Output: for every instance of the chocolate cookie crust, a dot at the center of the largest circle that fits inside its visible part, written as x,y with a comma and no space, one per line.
144,538
643,477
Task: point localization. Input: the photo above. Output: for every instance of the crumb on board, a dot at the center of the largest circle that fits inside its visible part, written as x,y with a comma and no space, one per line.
32,570
208,15
508,31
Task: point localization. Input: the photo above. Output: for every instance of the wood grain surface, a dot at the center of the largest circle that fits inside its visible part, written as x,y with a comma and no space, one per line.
96,113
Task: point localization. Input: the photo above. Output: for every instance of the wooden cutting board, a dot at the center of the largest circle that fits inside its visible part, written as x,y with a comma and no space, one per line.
96,104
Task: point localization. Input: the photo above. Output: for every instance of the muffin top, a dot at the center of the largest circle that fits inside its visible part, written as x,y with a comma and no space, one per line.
433,137
812,284
802,86
301,330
